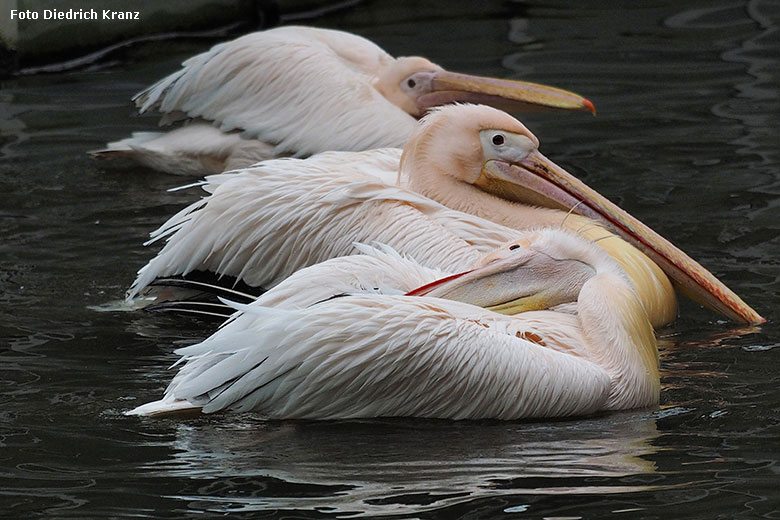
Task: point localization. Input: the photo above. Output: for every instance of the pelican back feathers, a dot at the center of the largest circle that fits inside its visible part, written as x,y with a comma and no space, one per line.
262,224
261,85
385,356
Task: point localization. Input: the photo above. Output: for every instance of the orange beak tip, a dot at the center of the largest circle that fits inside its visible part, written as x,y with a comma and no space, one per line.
589,105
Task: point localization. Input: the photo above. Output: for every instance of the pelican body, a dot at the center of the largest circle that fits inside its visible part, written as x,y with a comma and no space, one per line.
376,355
263,223
300,91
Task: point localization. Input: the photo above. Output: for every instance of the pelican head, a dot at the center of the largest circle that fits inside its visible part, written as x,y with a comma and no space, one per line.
416,85
459,151
538,270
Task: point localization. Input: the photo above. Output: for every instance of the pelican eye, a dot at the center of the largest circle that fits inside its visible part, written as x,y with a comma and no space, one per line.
498,139
411,83
513,246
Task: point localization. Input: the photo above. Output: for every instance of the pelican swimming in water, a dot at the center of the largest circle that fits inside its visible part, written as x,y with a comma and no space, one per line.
300,91
261,224
419,355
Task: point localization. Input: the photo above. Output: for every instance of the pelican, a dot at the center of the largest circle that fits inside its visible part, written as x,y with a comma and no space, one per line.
263,223
426,355
300,91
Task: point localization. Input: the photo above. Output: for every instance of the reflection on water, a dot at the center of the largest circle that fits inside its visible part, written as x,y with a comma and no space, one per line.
363,467
685,138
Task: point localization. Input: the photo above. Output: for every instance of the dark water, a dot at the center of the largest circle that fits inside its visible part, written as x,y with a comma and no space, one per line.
686,138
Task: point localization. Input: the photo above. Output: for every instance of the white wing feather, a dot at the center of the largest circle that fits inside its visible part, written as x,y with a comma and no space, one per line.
368,356
304,90
264,223
194,149
377,270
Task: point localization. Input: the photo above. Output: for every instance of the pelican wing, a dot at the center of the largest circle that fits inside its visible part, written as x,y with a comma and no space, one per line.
305,90
264,223
194,149
377,270
370,356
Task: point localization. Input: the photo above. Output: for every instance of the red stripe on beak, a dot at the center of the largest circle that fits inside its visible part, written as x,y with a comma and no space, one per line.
425,289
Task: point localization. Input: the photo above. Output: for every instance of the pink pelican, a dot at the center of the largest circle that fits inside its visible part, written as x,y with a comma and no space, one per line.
300,91
424,355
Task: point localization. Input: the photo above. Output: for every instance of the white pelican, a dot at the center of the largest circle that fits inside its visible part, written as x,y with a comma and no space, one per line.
262,224
300,91
372,355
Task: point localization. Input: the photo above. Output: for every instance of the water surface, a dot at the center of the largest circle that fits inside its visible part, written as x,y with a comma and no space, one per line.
685,138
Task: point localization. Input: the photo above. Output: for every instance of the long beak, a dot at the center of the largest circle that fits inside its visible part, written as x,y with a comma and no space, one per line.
464,288
426,289
508,95
537,180
521,282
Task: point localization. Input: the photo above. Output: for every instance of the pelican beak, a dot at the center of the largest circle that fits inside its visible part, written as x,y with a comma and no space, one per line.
507,95
539,181
523,281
